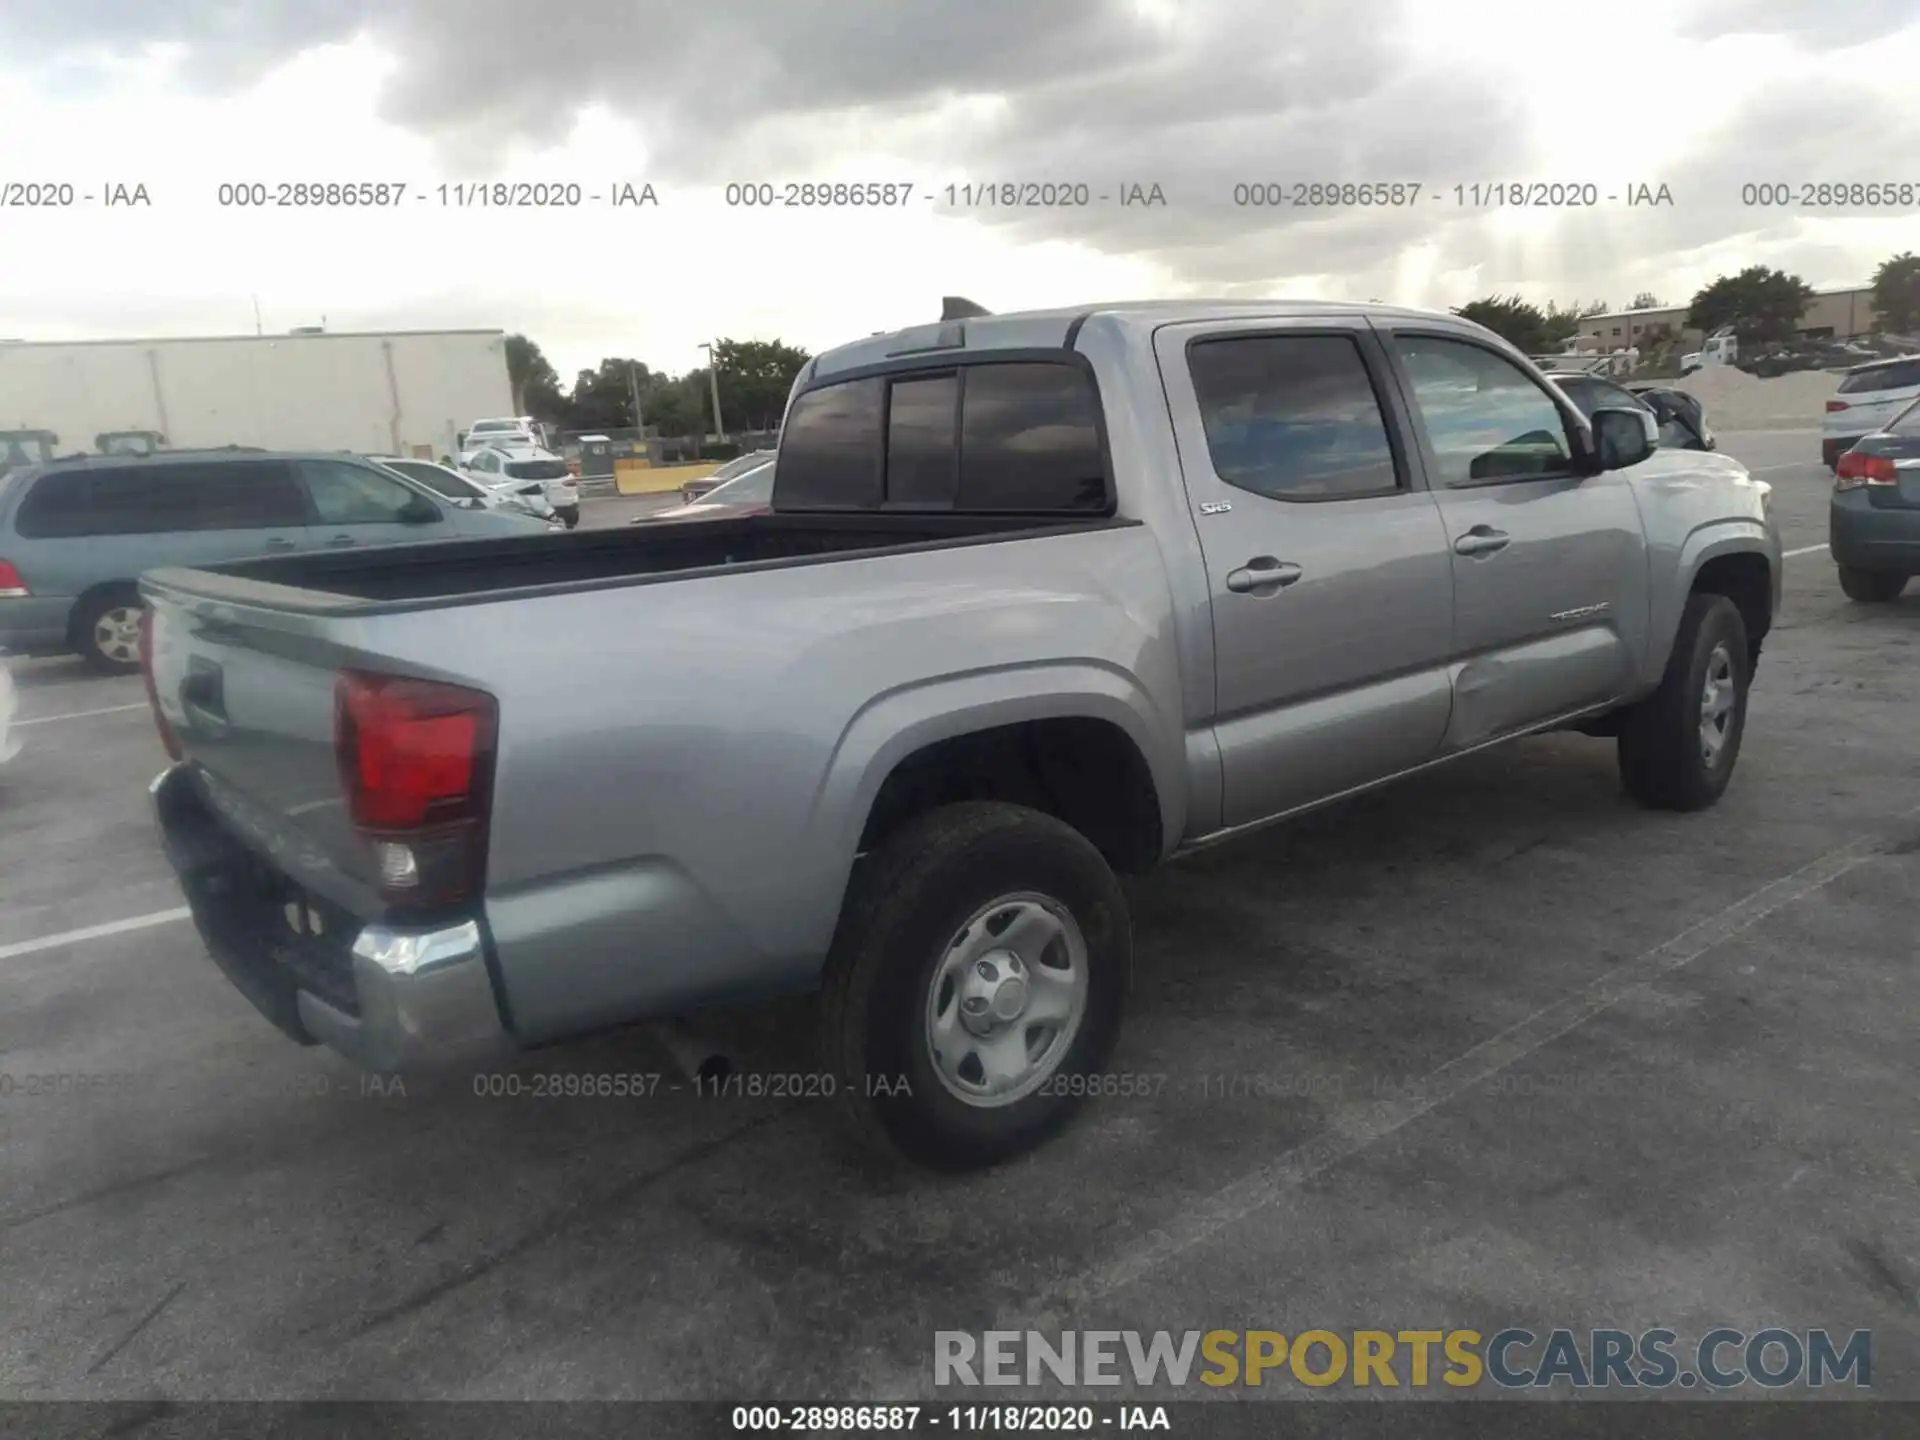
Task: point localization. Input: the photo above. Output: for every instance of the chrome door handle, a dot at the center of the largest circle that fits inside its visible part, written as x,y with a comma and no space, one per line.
276,543
1262,575
1482,540
340,540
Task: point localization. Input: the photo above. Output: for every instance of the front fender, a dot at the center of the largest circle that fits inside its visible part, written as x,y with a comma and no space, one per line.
1728,535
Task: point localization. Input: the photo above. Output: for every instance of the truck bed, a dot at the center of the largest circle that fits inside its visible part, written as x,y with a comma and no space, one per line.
387,578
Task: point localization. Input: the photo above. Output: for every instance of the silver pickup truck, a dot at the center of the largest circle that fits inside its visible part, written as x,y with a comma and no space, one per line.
1043,598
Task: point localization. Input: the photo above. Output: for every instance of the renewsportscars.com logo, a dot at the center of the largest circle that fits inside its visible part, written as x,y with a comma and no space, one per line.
1516,1358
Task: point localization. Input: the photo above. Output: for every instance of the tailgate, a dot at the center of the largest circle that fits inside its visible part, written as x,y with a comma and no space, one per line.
249,695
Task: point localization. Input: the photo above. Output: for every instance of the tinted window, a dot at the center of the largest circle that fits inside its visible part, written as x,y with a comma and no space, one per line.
1907,422
346,494
1030,439
1882,377
537,469
486,464
162,499
1292,417
1485,417
830,450
923,451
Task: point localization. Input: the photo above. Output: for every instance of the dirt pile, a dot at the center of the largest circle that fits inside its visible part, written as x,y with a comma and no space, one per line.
1736,400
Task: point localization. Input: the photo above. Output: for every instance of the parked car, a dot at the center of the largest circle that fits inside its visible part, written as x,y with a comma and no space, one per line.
9,703
1042,598
75,535
515,431
1867,400
464,490
1683,419
753,460
530,471
1679,419
1873,520
749,493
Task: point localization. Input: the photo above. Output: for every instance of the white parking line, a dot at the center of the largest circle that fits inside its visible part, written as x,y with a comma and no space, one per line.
78,714
92,932
1803,550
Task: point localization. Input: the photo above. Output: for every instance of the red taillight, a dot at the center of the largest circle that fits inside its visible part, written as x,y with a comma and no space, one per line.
416,760
13,584
1835,405
167,737
1855,470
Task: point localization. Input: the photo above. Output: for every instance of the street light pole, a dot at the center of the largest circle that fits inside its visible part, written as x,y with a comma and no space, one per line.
713,378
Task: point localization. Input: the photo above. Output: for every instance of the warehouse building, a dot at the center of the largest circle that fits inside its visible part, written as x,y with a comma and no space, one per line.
1845,314
403,392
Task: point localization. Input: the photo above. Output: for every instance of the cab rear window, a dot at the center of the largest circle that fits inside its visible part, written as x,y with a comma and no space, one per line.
995,437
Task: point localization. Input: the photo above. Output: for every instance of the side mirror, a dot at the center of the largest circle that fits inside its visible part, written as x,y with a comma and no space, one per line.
419,511
1624,437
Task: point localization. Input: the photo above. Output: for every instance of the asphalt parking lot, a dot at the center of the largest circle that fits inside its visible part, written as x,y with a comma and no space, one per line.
1526,1055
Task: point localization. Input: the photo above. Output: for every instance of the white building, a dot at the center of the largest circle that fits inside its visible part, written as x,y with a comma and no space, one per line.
402,392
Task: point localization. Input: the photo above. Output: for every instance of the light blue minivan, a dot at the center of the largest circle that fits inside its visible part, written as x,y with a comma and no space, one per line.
76,534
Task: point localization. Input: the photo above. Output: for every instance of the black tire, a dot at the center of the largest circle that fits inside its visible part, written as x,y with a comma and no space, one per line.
87,616
1663,761
1871,587
907,901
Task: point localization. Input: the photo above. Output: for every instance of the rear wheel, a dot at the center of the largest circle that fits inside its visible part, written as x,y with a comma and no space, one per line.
976,985
1679,745
1871,586
106,630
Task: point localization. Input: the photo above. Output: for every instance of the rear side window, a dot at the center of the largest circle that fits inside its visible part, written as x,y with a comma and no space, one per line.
1292,417
1882,377
162,499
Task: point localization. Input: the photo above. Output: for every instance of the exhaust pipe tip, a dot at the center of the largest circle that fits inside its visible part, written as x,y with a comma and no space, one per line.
696,1057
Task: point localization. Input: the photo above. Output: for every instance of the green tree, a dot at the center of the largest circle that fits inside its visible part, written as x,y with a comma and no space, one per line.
1522,325
1760,304
534,382
1896,292
1647,300
755,378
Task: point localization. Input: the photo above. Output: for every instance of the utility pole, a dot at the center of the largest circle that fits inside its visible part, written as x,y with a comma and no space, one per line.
258,328
639,421
713,378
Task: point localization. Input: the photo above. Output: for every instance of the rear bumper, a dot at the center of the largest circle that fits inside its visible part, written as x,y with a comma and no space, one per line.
387,998
1865,536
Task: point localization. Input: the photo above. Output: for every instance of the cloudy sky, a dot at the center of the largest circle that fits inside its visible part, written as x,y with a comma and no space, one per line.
1194,96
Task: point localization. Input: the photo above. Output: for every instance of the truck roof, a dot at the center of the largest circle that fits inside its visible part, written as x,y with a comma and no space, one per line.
1052,329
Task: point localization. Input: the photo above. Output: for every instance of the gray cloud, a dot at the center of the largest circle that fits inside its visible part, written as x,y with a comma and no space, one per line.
1223,92
1816,27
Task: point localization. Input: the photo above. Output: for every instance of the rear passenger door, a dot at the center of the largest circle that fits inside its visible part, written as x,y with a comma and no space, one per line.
1331,584
358,505
1550,575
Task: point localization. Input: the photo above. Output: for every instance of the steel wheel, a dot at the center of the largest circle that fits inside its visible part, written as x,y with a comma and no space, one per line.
116,634
1717,698
1007,1000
